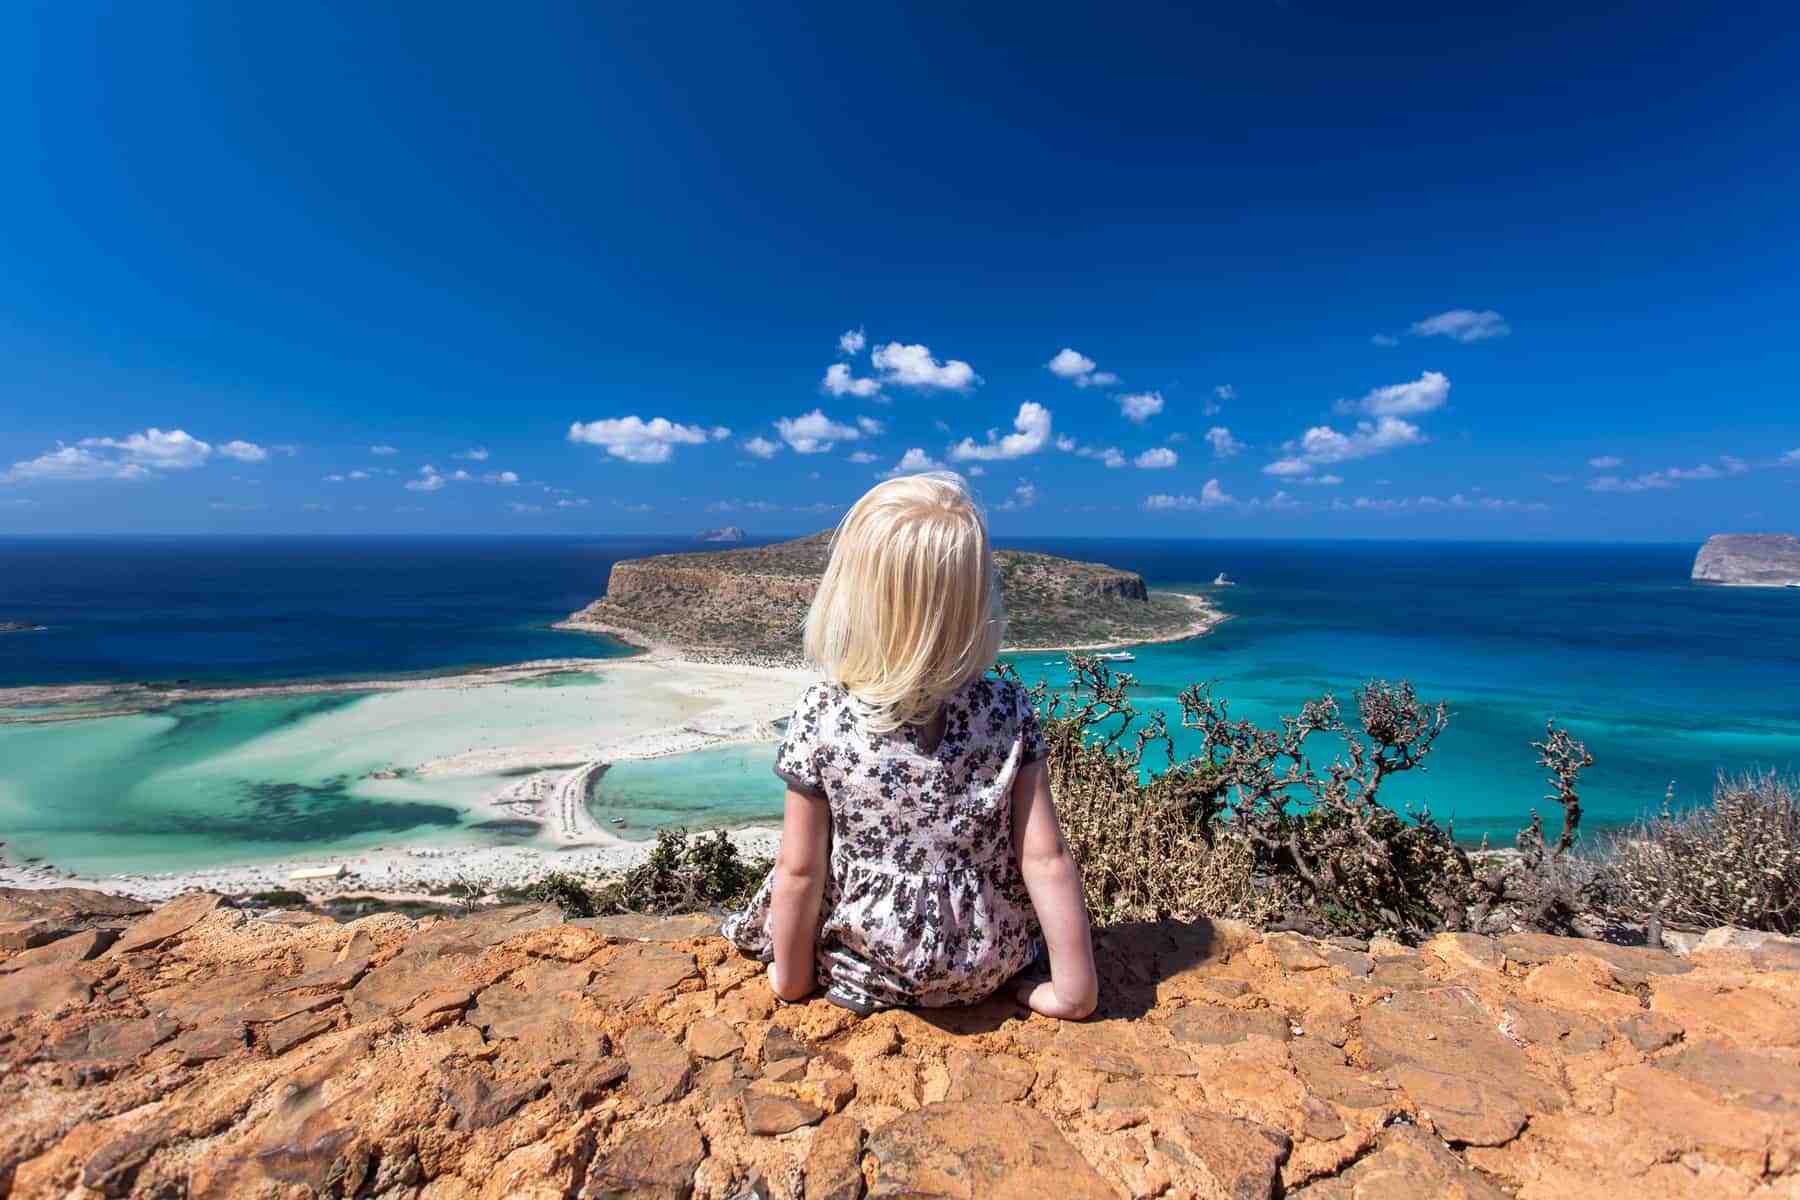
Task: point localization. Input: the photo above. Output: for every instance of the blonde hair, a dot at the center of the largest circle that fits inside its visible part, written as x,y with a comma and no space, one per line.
909,609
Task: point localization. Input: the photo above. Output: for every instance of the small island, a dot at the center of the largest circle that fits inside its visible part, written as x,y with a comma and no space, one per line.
727,533
749,605
1749,560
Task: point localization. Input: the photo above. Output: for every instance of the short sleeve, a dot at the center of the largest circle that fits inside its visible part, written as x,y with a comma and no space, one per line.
1031,733
797,759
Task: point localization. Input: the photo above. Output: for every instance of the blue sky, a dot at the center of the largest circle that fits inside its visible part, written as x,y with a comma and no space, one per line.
1265,270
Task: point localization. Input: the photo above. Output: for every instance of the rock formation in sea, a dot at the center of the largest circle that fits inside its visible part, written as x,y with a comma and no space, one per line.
1749,560
726,533
201,1050
751,603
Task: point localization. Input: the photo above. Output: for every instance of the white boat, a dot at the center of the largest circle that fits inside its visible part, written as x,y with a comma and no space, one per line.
1221,581
1117,656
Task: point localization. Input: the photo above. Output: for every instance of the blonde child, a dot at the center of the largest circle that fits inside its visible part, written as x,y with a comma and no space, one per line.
921,862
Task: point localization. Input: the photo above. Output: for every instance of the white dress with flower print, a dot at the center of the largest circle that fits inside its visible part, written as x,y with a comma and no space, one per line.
924,904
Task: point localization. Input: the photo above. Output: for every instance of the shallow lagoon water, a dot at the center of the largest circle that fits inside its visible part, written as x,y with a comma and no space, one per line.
723,787
1667,681
251,780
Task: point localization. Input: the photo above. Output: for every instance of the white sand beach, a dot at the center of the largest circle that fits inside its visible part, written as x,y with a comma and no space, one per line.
499,750
523,744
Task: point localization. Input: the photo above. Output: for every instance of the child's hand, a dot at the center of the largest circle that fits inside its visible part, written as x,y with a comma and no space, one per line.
1042,998
791,990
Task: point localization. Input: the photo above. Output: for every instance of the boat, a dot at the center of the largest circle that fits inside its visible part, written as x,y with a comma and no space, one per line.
1117,656
1221,581
618,820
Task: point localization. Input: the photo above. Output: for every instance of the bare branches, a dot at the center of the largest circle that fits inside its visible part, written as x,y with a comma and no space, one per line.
1565,758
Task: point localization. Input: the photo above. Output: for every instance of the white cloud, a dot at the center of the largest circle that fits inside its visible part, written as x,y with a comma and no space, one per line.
349,475
1222,443
638,441
914,461
1140,406
1225,392
1463,325
244,451
523,508
1158,459
1427,393
1078,368
840,382
232,506
176,450
1323,481
814,432
476,454
1032,434
851,341
1606,462
1023,497
429,480
572,502
1791,457
1651,481
504,478
67,464
914,366
862,457
718,433
1110,455
870,426
1070,364
1322,445
383,450
762,447
1384,339
1211,496
1455,503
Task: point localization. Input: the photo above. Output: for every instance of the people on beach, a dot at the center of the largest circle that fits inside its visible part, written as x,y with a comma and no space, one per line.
921,862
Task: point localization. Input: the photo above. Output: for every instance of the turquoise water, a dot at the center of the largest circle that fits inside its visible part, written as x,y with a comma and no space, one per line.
726,786
1666,680
236,781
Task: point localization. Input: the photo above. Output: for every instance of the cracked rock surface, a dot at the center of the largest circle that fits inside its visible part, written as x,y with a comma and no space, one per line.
205,1053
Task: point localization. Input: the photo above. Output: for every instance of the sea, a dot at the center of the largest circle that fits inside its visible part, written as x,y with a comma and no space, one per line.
1668,682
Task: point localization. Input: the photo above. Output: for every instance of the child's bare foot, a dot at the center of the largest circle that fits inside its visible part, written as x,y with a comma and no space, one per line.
1042,998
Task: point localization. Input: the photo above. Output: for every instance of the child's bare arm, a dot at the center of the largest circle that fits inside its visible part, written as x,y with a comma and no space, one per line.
794,900
1054,882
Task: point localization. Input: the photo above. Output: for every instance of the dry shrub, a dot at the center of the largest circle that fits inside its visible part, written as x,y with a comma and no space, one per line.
1734,862
704,873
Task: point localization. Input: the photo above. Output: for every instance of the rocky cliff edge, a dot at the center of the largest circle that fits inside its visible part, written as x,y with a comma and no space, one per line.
1749,560
201,1050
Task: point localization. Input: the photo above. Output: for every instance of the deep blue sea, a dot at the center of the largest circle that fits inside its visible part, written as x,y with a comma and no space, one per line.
1667,681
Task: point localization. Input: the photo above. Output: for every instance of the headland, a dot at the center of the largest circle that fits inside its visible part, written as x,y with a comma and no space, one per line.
749,605
1749,560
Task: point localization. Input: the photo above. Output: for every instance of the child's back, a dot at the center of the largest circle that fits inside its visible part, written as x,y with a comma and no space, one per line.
921,862
923,903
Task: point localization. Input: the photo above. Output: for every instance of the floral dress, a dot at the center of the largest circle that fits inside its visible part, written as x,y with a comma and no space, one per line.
924,903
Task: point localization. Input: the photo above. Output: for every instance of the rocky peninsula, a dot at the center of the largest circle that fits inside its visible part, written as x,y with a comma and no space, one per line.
1749,560
206,1050
749,605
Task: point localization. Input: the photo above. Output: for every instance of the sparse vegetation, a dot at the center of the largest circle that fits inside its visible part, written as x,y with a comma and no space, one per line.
682,874
1252,826
1733,862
